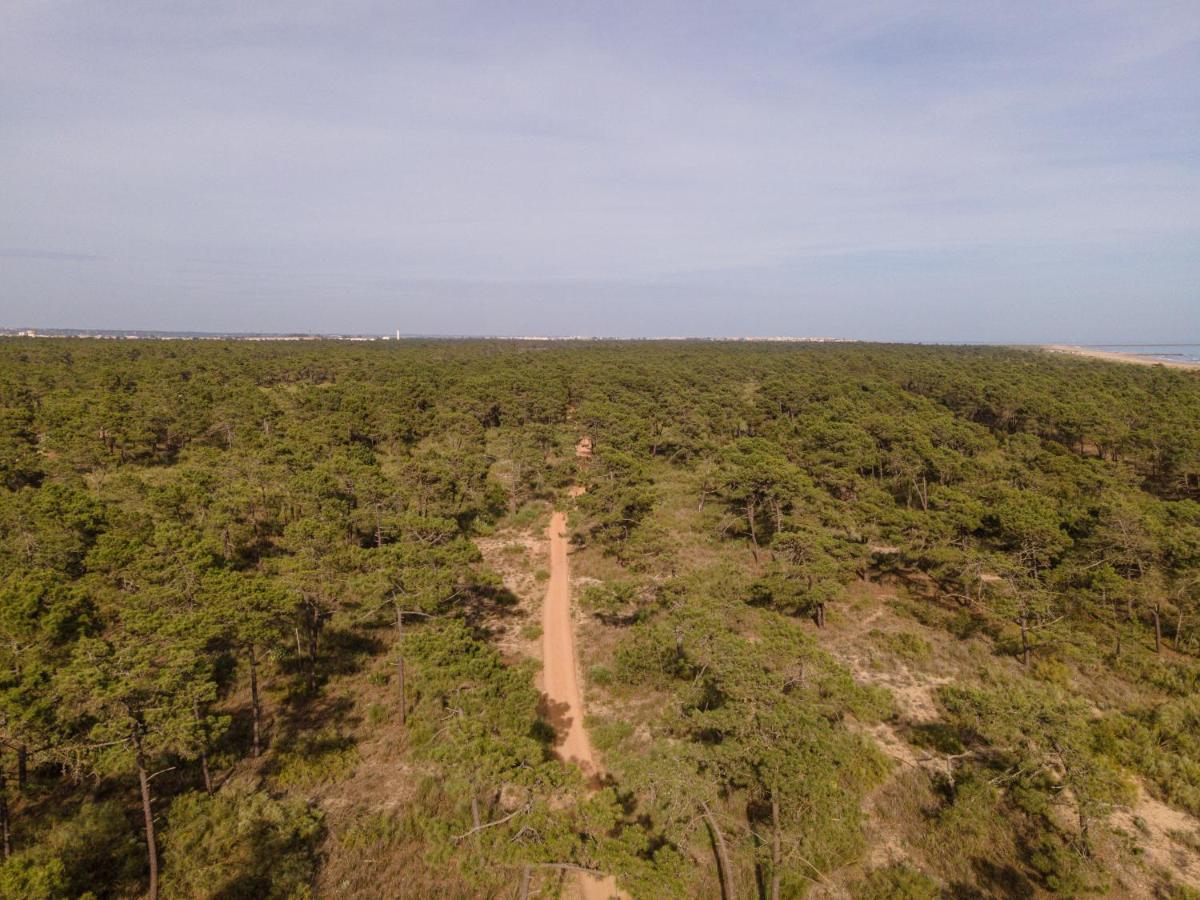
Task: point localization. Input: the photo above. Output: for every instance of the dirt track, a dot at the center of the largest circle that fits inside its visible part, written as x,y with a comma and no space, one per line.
558,655
560,681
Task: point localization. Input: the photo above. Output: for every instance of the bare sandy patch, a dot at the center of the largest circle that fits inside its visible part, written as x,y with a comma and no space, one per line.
1169,837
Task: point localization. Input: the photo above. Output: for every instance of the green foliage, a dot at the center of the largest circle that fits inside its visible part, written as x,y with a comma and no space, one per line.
746,719
906,645
526,517
972,823
238,845
184,527
1047,746
25,878
1059,864
373,831
313,759
897,882
89,848
621,602
1161,744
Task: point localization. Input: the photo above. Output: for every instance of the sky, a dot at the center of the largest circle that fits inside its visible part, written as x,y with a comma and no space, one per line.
958,171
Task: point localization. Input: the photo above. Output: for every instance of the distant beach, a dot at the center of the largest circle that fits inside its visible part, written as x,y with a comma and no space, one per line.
1178,356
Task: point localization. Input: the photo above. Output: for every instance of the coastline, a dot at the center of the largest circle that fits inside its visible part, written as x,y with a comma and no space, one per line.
1114,356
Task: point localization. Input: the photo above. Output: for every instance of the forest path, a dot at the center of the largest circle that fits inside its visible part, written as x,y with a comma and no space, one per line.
559,664
560,681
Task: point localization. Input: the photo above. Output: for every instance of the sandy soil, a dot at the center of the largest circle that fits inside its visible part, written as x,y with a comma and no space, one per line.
560,681
1163,833
1113,356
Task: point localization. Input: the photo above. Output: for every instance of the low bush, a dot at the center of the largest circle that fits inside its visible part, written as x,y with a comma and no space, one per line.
237,846
315,759
898,881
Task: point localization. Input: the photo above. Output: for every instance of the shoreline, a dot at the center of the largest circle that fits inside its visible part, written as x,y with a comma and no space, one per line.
1115,356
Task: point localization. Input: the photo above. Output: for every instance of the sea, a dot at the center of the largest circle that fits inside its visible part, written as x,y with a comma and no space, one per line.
1169,352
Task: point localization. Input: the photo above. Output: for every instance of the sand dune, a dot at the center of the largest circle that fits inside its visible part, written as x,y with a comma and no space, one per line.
1114,356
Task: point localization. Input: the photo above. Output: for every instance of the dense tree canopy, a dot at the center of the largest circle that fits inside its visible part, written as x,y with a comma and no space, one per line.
223,564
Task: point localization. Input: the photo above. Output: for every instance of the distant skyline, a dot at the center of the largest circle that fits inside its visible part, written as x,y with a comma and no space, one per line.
908,171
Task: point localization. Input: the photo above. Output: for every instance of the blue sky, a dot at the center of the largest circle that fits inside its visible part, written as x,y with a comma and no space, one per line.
977,171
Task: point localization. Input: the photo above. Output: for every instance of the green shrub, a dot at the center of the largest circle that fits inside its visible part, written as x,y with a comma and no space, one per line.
372,831
238,846
377,714
937,736
969,822
1160,743
608,734
526,516
26,877
315,759
897,882
93,850
906,645
648,654
1059,865
1052,671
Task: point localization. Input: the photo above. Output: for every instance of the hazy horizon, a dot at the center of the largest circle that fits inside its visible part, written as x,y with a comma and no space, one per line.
7,330
900,171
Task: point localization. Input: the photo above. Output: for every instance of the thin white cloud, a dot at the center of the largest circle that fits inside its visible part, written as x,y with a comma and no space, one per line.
474,144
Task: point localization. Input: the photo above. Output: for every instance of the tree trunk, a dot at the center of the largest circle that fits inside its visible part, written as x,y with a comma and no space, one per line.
526,875
5,823
400,687
1024,639
148,813
1179,628
776,849
820,615
208,788
751,514
22,767
1157,628
722,853
312,652
255,707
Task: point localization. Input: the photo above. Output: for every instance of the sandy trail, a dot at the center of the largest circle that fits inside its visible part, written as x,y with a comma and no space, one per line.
560,681
558,655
